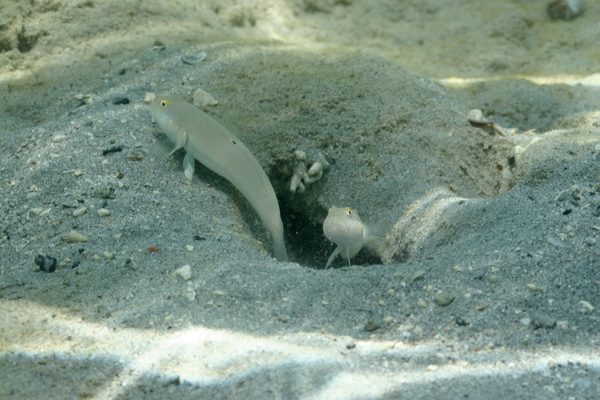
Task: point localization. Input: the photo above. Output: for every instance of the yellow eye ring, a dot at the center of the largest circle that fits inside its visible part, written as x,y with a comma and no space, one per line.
348,211
165,103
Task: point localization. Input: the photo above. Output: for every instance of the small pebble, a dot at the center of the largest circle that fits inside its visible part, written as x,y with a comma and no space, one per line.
371,326
190,292
59,138
46,263
540,319
149,98
282,318
184,272
532,287
103,212
189,248
555,242
565,10
421,303
84,98
109,255
80,211
444,299
120,100
203,100
129,263
300,155
172,379
562,324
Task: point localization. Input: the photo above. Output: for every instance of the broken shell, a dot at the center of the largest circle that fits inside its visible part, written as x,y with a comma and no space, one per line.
193,58
202,99
73,237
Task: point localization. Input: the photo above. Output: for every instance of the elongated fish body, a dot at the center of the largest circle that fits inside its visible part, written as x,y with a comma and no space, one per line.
209,142
344,227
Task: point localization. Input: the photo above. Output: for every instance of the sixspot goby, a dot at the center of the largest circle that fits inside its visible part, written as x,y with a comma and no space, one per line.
344,227
206,140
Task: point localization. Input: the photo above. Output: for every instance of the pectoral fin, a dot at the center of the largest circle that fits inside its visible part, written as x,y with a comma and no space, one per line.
332,256
189,163
167,146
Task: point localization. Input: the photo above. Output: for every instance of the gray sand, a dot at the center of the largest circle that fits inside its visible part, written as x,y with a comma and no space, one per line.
486,285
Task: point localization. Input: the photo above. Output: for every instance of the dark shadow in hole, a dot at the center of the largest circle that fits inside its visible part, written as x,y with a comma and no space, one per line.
308,246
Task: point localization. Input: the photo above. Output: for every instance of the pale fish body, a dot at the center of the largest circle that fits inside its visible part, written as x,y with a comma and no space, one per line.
209,142
344,227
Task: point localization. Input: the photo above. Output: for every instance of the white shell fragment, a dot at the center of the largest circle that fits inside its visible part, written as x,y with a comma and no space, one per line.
202,99
103,212
73,237
587,305
193,58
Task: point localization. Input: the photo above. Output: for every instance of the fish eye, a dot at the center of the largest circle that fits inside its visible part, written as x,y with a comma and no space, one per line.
165,103
348,211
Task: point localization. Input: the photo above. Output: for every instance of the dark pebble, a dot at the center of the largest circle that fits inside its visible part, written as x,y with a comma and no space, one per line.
172,379
103,192
461,322
542,320
563,10
371,326
199,238
112,150
46,263
120,100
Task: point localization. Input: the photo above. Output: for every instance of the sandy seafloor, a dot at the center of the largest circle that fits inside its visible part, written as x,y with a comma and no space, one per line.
488,282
